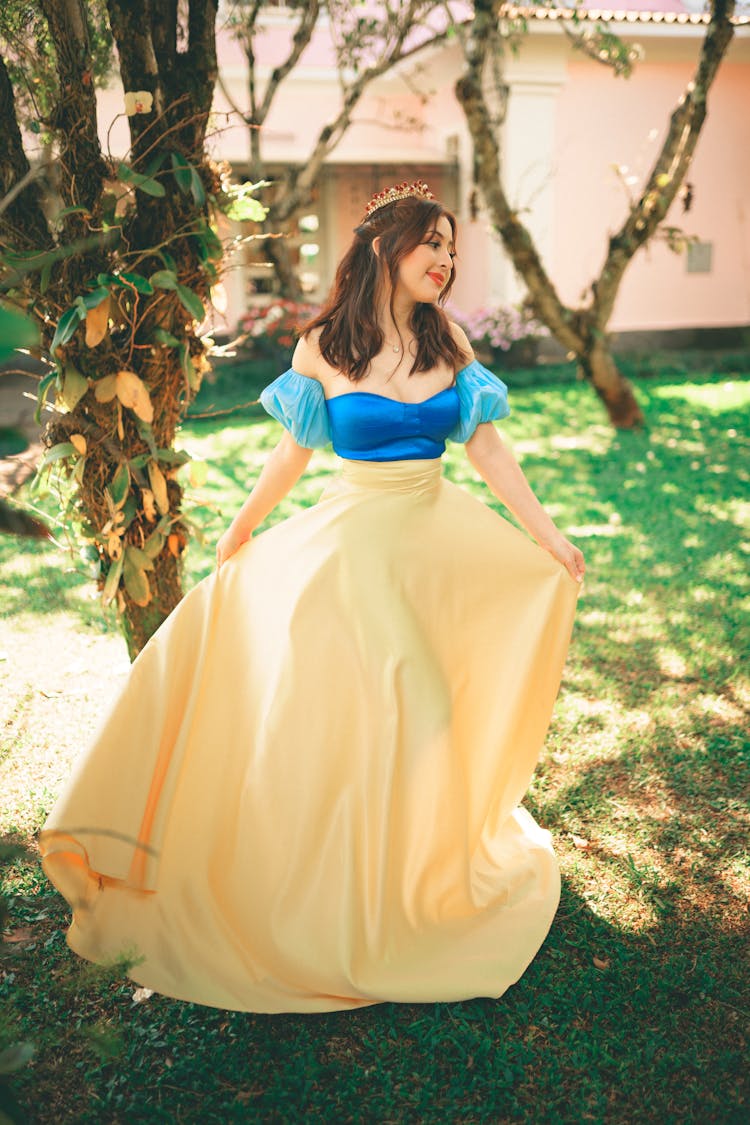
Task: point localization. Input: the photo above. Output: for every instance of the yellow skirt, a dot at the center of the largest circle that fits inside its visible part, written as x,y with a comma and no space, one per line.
306,796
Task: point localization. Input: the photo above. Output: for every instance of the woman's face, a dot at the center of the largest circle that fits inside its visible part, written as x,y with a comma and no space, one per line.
425,270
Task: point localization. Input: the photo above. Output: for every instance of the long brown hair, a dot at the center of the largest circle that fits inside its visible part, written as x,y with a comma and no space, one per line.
350,334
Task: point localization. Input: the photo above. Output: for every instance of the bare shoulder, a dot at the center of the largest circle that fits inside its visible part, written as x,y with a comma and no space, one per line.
462,340
307,359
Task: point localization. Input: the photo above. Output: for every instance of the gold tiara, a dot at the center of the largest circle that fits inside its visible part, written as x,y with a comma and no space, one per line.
418,189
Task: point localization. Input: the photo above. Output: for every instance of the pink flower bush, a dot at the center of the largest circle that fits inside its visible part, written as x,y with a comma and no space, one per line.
496,329
275,328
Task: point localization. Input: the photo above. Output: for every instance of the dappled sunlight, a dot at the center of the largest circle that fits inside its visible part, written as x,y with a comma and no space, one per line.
642,781
717,396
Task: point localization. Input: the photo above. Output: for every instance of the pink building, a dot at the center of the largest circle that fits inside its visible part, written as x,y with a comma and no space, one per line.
576,143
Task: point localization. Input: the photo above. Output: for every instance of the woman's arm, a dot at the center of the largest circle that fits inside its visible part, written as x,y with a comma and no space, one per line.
284,466
503,475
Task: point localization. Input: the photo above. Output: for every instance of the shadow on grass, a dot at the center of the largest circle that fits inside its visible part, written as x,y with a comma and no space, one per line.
654,1034
642,785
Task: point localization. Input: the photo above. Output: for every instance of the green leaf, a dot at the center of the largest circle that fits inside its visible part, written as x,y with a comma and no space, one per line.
139,461
191,301
94,299
57,453
129,510
74,386
244,207
141,182
136,582
155,163
191,375
140,559
44,387
161,336
109,208
137,281
66,327
112,581
119,486
164,279
173,456
44,276
153,545
197,189
246,210
209,244
16,331
146,433
181,170
70,211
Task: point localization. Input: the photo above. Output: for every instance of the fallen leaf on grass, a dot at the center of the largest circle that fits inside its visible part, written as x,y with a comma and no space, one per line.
579,842
601,962
142,994
24,933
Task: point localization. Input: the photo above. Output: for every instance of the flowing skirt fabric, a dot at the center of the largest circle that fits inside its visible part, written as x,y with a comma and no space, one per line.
306,796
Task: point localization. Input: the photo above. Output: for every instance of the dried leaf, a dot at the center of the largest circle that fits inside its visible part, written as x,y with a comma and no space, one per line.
78,441
133,393
601,962
97,323
173,543
142,994
74,388
106,388
158,483
579,842
120,427
149,507
23,933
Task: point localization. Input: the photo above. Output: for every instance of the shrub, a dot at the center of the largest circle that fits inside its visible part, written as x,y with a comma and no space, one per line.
501,330
272,330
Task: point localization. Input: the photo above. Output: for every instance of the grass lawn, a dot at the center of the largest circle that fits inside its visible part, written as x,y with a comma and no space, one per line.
633,1011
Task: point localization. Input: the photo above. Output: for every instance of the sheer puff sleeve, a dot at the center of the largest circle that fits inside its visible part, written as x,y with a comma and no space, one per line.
483,398
298,402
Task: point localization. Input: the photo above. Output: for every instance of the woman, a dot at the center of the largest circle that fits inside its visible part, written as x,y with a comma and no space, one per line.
315,805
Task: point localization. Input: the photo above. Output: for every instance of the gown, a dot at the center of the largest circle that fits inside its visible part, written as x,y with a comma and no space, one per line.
306,796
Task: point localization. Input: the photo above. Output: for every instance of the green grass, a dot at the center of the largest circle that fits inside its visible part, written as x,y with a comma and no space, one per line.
643,782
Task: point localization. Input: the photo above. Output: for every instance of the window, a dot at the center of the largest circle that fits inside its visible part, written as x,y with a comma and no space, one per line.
700,257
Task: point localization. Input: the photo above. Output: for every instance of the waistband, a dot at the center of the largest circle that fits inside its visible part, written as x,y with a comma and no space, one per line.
406,476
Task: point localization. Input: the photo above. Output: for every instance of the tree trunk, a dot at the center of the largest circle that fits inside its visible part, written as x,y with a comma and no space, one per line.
598,366
582,330
277,250
141,622
125,310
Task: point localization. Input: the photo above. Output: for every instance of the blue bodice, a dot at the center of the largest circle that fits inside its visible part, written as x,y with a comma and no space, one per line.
365,426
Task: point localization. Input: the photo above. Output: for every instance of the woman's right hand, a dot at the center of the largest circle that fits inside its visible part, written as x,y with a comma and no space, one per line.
566,553
230,542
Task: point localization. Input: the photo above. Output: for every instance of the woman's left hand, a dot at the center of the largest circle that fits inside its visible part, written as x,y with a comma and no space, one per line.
566,553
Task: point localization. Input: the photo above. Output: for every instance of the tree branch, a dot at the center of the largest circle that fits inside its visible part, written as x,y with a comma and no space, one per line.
301,184
671,164
302,37
517,240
